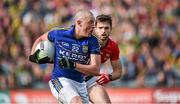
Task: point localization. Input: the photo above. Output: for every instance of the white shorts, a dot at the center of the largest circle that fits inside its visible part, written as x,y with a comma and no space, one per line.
64,89
91,82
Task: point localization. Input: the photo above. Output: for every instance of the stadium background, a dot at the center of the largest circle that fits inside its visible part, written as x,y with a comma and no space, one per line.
147,32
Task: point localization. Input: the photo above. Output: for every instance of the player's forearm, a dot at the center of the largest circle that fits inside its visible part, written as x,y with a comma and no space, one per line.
93,68
88,69
116,74
117,69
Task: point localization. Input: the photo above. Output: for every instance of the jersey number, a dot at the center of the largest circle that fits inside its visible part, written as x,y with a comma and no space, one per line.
75,49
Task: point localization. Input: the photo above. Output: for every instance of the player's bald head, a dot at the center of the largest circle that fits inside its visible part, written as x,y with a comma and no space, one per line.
82,14
84,23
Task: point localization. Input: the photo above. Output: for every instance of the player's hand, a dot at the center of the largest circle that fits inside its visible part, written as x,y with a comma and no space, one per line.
40,60
103,79
66,63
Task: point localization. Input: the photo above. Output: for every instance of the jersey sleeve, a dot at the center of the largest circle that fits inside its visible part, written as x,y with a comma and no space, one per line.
55,32
94,46
51,35
115,52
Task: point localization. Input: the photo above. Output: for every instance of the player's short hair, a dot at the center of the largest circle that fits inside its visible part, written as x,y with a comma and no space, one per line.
104,18
82,14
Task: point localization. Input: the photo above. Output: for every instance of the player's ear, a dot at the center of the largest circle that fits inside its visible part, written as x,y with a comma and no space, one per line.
78,23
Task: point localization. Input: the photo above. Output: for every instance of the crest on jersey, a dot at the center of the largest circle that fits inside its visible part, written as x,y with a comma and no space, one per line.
85,49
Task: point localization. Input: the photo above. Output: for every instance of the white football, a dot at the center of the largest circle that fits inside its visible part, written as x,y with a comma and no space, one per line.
46,49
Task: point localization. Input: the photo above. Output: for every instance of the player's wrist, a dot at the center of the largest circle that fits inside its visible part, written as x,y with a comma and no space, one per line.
110,77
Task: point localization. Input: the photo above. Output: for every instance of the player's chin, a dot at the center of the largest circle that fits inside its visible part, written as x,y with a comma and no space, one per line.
90,33
103,38
85,36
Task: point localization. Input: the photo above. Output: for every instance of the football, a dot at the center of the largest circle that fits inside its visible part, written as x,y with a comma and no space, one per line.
46,49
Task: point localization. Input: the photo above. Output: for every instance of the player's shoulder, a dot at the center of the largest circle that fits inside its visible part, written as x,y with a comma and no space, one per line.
93,37
112,42
113,45
59,29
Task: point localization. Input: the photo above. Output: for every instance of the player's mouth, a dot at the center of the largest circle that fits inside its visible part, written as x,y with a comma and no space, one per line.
103,36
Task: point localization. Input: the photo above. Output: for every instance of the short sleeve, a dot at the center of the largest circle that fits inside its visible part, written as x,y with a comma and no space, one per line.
51,35
94,46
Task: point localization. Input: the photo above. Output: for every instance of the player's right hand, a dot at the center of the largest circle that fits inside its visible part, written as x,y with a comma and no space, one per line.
103,79
39,60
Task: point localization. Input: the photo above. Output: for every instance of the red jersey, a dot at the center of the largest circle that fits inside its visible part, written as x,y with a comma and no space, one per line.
110,51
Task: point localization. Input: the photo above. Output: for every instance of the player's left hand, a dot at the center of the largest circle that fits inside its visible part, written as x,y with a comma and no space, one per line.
39,60
103,79
66,63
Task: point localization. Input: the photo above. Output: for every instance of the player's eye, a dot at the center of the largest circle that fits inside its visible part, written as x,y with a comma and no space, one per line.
106,28
100,27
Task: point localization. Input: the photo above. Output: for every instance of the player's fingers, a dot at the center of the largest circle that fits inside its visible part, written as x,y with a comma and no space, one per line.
101,80
99,75
99,83
98,80
32,58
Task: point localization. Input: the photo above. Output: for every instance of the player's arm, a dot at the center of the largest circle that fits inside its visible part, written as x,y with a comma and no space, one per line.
93,68
117,70
106,78
34,56
115,63
116,66
41,38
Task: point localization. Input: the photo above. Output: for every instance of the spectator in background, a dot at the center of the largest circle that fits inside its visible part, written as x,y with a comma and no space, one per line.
3,80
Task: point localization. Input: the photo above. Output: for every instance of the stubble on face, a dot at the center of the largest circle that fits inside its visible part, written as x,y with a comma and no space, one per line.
102,31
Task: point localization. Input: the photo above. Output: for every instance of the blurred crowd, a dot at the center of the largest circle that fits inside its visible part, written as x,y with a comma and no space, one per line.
147,32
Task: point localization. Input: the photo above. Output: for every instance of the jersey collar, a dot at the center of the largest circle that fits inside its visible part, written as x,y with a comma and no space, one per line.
72,30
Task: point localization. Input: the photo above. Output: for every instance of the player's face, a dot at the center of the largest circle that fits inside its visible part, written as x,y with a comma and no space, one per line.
102,31
87,26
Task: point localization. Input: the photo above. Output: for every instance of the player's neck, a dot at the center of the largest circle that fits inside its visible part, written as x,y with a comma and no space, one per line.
77,34
104,43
